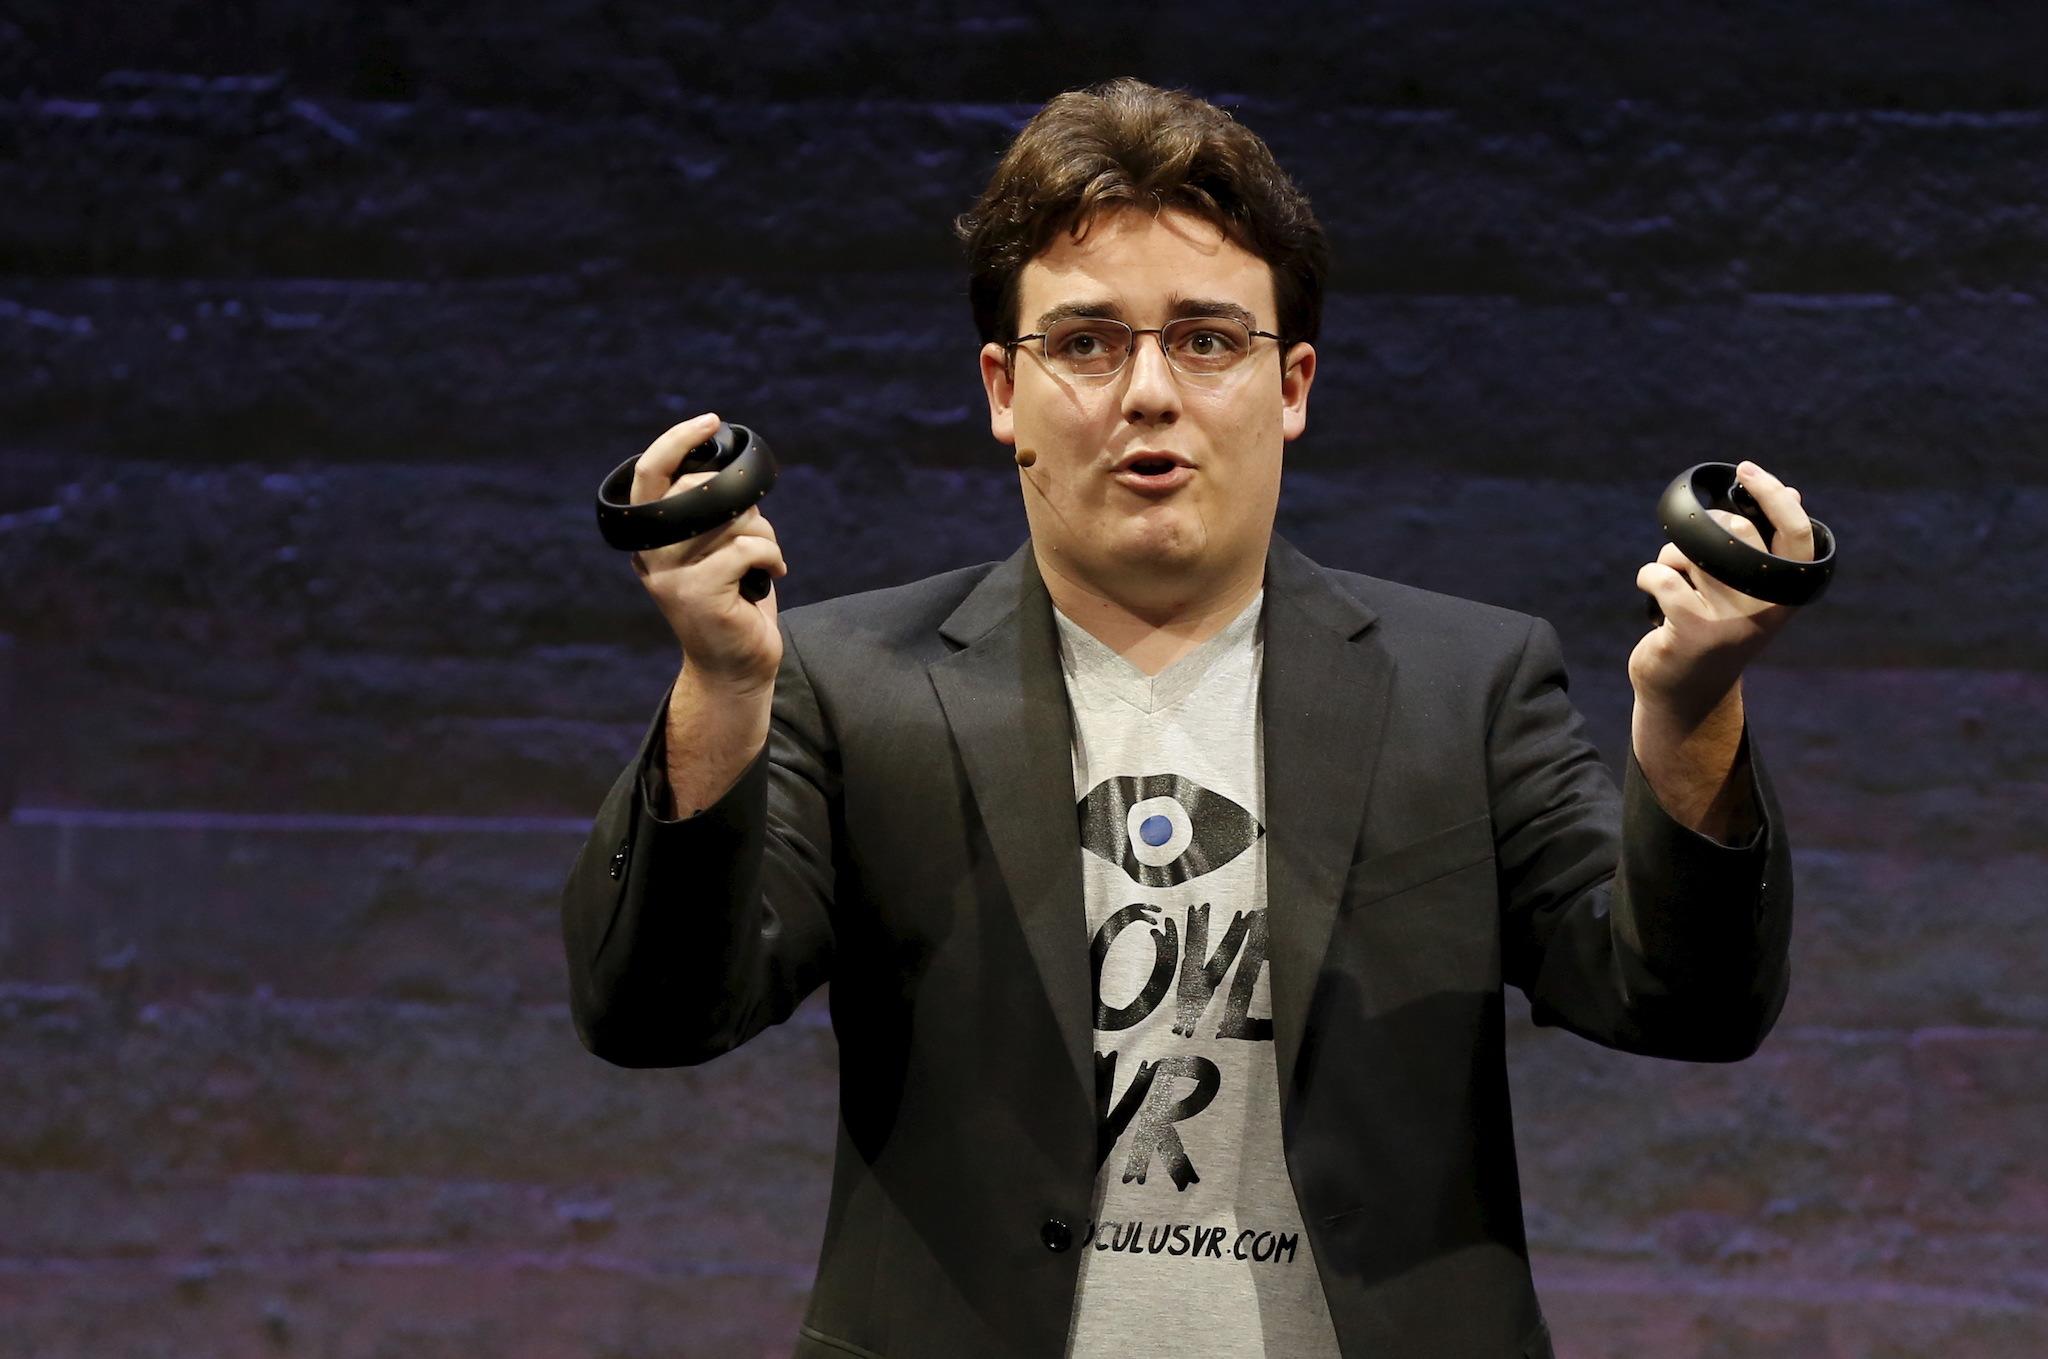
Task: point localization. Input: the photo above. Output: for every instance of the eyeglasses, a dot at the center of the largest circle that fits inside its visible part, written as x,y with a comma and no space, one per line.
1096,347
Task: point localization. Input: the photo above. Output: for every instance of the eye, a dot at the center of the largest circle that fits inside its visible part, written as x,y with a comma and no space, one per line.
1164,829
1082,342
1207,346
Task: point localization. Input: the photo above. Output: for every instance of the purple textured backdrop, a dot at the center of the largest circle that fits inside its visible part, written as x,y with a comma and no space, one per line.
319,320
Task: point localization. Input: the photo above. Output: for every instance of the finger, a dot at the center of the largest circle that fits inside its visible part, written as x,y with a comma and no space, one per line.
751,520
1714,596
750,523
1670,556
1739,527
1673,593
724,567
711,554
654,475
688,481
1792,531
1708,595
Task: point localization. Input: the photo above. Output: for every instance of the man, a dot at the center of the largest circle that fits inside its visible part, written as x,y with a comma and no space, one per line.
1165,881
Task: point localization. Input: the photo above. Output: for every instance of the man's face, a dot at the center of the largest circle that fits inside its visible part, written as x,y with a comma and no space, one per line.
1150,541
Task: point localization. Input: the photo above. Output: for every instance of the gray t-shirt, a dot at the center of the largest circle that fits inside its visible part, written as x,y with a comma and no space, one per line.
1196,1246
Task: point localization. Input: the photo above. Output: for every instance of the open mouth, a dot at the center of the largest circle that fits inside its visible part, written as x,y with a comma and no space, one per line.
1156,476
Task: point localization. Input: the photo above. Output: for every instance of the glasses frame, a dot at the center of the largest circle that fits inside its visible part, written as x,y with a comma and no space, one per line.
1010,348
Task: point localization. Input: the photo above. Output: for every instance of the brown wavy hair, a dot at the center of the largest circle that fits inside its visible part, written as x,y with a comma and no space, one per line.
1125,143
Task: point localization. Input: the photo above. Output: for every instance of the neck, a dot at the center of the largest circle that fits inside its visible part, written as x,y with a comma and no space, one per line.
1150,634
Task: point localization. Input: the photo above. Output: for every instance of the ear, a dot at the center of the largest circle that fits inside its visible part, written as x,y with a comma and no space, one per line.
1001,387
1295,379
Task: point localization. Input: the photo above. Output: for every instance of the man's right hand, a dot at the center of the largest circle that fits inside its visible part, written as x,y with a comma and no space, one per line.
729,642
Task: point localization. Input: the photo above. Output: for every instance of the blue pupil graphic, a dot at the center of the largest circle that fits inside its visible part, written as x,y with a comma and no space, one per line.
1134,818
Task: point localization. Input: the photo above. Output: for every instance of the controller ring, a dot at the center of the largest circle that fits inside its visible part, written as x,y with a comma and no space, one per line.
1682,510
746,471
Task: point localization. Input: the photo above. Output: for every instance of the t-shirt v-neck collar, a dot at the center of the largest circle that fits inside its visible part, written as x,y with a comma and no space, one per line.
1093,666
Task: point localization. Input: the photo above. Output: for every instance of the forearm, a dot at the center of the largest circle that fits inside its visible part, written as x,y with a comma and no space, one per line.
1690,763
1636,930
712,734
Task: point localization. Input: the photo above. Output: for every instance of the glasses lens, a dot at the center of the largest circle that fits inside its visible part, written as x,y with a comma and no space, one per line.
1087,347
1206,344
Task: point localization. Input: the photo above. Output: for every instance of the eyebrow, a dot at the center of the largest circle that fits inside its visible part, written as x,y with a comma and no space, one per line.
1177,307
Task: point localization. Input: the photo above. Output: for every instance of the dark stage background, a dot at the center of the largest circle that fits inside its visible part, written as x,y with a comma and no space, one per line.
320,320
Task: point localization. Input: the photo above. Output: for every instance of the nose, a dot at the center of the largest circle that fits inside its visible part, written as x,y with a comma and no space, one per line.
1152,395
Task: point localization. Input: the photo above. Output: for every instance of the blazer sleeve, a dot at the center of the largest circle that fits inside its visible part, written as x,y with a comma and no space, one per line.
687,937
1619,923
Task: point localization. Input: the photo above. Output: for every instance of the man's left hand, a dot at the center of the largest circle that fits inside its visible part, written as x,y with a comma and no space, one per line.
1684,668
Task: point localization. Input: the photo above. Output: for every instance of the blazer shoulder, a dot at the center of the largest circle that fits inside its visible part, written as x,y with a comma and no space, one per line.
890,618
1411,613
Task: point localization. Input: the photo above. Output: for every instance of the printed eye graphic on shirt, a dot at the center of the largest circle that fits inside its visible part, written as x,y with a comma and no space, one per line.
1164,829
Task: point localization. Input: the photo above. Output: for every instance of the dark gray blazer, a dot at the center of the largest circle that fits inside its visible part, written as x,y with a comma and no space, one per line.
1437,826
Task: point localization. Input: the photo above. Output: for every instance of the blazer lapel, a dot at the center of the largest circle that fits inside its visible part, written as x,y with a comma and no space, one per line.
1323,699
1006,702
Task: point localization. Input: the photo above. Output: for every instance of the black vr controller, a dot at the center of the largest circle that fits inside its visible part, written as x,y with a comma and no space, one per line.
1683,511
745,472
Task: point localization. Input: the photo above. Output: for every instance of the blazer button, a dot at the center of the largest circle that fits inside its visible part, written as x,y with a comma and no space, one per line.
619,864
1056,1234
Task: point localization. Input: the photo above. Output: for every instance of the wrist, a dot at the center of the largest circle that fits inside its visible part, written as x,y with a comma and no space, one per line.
1678,714
739,688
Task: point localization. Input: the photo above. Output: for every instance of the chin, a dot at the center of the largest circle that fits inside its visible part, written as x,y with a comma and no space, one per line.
1162,540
